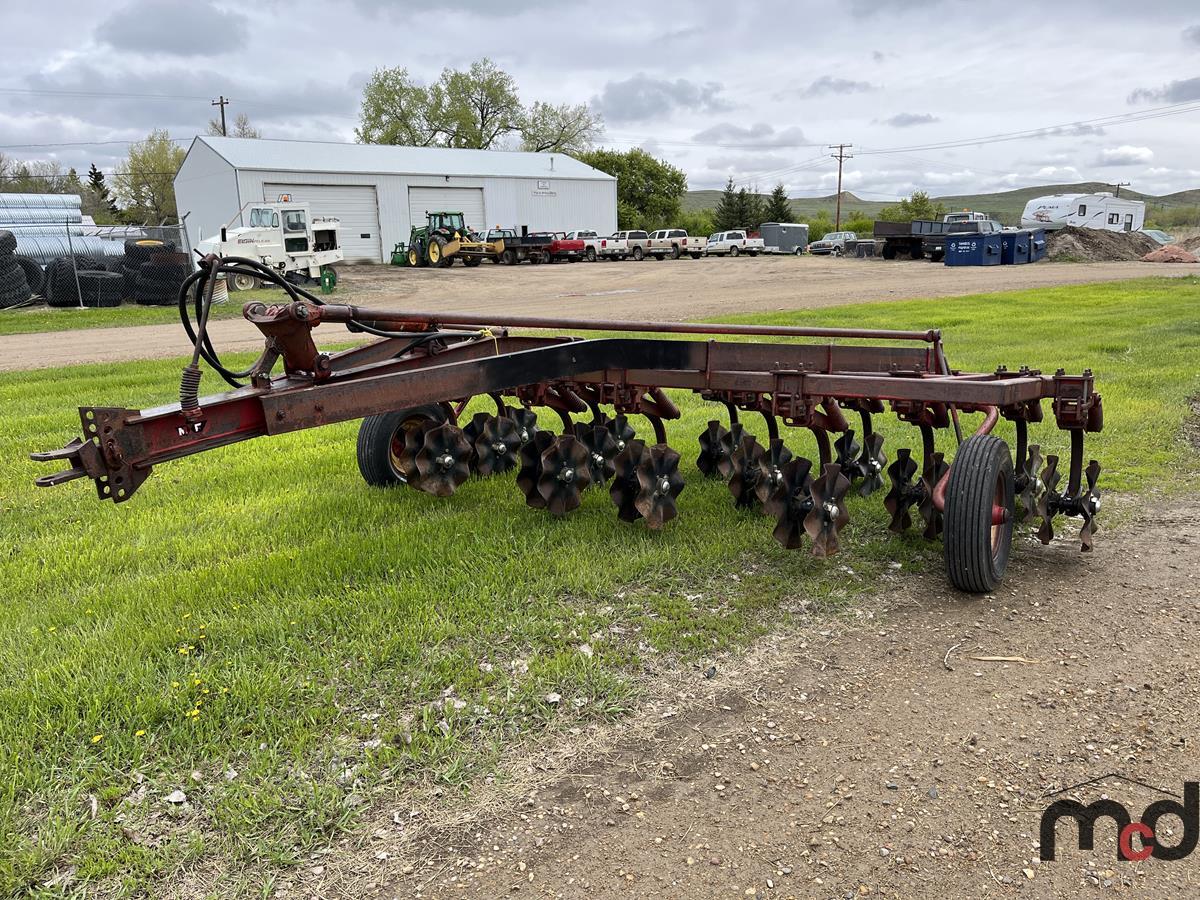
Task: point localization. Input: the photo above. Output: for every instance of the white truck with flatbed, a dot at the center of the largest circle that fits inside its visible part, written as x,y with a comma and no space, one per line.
673,243
733,243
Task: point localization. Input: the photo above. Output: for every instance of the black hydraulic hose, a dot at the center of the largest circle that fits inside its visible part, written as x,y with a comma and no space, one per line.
201,284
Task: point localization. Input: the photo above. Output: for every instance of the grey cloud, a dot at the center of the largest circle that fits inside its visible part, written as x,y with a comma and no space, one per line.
1172,92
1073,131
908,120
1125,156
642,97
827,84
757,135
1192,34
878,55
174,29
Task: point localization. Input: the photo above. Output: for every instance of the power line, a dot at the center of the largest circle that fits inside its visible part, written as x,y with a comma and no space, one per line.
222,102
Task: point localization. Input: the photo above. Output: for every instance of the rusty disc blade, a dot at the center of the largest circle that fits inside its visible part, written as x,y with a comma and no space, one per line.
829,514
622,431
900,497
1032,485
730,441
602,450
564,474
871,464
744,472
770,468
624,487
530,458
711,449
934,470
1047,503
497,446
659,483
526,420
443,461
791,502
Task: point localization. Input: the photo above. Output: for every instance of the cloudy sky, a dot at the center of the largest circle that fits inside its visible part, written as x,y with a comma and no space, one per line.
1079,91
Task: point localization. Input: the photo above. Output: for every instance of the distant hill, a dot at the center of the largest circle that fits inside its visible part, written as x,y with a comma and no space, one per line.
1004,205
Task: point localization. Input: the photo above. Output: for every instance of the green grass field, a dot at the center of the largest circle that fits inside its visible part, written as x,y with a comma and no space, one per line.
263,631
44,318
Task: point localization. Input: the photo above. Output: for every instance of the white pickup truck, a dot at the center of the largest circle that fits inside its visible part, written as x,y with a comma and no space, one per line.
637,243
733,243
674,243
597,247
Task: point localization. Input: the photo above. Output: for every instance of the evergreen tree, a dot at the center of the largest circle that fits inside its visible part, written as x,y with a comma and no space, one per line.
97,200
727,215
779,208
750,210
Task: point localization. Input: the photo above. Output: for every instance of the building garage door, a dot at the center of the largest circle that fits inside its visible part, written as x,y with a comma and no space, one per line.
355,204
468,201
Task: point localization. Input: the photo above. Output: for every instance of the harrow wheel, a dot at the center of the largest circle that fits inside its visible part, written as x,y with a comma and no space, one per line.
441,459
770,469
729,442
934,470
791,502
565,471
526,420
1047,504
622,431
871,464
625,485
1089,505
1030,486
980,498
659,483
744,472
601,447
381,443
712,451
828,514
904,492
530,472
497,445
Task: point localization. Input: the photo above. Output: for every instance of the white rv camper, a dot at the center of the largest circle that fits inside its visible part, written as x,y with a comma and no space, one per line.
1102,211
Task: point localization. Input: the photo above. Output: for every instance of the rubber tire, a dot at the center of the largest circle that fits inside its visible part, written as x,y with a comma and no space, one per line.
674,251
752,253
638,255
535,258
734,251
509,257
440,242
696,255
8,243
472,261
101,290
972,564
591,254
889,251
241,282
836,251
374,449
799,251
917,252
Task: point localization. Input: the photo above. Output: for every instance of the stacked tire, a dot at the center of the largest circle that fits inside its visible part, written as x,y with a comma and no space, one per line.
14,286
138,252
160,278
69,281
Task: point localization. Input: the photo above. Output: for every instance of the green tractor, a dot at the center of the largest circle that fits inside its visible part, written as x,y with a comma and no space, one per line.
437,241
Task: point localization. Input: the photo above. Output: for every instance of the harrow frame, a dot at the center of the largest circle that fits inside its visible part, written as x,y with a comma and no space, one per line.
446,359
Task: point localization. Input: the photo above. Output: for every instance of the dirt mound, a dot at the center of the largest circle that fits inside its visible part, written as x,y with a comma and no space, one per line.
1073,244
1191,244
1170,254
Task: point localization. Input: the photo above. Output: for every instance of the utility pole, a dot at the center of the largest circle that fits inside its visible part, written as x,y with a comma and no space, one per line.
221,102
841,156
1118,186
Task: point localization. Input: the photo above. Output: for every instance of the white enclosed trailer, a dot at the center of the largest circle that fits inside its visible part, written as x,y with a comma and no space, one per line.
1101,211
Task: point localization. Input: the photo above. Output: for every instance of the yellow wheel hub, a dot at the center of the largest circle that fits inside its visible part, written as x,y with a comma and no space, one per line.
435,252
412,258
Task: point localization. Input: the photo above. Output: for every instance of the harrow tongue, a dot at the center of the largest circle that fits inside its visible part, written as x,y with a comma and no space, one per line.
411,385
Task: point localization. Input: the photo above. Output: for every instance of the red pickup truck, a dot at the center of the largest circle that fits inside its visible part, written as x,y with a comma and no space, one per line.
562,247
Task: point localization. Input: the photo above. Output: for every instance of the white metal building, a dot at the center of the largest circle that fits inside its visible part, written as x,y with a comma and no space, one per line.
378,191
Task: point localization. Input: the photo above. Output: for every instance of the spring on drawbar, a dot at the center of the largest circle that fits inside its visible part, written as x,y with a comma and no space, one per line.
189,388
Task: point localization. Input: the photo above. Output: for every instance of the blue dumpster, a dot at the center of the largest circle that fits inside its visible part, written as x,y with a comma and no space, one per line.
972,249
1037,244
1014,248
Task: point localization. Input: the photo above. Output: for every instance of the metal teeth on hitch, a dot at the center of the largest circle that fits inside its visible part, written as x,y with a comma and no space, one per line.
440,459
828,514
791,502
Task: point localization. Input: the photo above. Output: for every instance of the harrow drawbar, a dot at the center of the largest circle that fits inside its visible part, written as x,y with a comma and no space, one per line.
568,410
